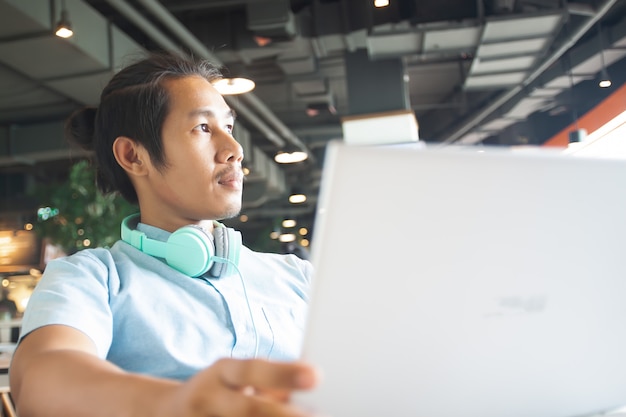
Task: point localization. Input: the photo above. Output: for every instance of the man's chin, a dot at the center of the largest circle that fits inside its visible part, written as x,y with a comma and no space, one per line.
230,213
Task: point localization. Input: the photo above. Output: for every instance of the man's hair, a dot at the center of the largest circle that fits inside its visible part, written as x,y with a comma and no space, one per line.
133,104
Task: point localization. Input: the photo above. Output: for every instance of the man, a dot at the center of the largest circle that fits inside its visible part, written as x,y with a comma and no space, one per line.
134,330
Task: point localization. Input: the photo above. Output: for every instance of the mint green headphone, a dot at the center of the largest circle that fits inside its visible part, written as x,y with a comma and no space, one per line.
190,249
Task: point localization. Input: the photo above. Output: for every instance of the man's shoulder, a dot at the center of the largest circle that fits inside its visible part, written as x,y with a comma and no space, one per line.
272,257
101,257
289,263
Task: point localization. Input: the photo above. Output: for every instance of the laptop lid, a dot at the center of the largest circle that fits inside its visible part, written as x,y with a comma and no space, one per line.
456,283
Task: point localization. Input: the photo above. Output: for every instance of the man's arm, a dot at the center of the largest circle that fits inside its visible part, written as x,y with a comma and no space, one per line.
55,372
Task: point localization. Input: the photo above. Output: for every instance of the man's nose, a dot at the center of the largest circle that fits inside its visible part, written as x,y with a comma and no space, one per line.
230,150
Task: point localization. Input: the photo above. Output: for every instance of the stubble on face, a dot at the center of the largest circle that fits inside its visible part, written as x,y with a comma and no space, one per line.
231,174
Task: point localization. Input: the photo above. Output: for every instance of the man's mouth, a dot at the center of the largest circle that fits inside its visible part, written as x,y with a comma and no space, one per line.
233,179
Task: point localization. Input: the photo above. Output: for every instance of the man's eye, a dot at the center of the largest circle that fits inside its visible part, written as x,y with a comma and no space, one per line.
229,129
204,127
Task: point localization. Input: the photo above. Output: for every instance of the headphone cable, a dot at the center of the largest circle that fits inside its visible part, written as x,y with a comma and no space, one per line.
245,294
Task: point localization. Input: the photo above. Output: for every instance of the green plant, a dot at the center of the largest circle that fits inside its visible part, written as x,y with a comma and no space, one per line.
76,215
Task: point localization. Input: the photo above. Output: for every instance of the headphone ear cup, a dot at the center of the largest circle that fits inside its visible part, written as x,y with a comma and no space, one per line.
190,250
227,246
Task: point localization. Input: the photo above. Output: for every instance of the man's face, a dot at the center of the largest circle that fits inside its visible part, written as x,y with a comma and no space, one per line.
203,177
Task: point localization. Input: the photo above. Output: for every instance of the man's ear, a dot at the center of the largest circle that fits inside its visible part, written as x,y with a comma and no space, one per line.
130,155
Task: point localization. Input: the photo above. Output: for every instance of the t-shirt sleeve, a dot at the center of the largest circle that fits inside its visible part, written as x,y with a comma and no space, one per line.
74,291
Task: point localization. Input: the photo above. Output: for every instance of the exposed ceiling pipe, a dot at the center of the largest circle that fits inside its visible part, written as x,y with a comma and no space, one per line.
506,96
157,36
148,28
275,121
256,121
161,13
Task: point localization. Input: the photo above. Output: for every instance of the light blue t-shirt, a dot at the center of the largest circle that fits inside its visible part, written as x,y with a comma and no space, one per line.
148,318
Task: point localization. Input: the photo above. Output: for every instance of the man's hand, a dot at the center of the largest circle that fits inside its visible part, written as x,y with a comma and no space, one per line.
234,387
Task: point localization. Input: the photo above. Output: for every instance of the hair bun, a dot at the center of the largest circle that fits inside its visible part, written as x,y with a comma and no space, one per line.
79,127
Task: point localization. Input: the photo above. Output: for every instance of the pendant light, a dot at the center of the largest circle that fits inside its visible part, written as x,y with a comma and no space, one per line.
64,27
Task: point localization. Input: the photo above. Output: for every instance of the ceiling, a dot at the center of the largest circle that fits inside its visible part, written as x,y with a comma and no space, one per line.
493,72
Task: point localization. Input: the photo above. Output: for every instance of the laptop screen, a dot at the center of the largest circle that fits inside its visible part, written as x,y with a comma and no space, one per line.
453,282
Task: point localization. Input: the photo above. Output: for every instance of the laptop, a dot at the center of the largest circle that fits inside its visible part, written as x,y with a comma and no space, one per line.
451,282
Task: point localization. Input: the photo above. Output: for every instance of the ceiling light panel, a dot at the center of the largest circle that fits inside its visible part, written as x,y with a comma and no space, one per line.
518,47
527,27
612,55
454,39
593,64
494,81
392,45
589,66
525,107
487,66
564,81
545,92
498,124
621,43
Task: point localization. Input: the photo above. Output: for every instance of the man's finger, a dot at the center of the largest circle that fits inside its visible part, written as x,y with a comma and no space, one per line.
264,375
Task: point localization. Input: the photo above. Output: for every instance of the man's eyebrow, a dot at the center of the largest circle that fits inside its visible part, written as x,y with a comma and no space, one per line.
211,114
